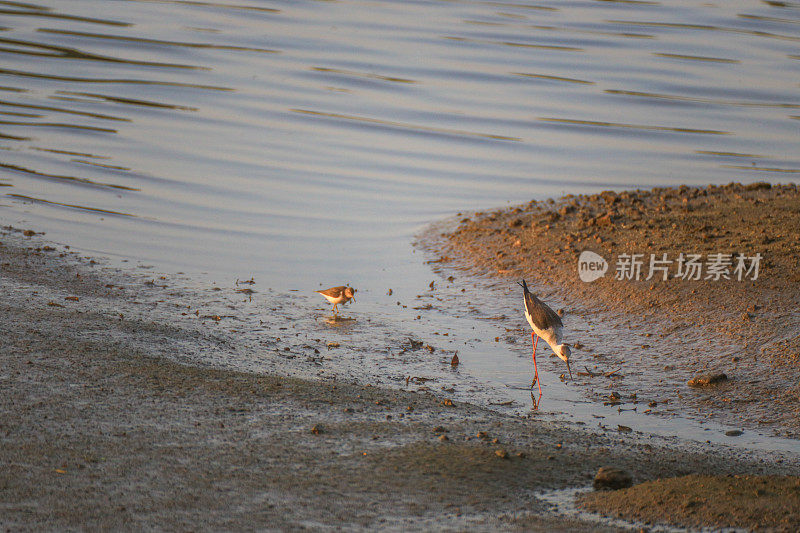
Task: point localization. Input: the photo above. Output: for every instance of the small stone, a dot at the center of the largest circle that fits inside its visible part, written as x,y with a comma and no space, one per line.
454,361
759,185
610,197
316,430
444,438
332,345
611,478
707,380
733,433
605,220
501,453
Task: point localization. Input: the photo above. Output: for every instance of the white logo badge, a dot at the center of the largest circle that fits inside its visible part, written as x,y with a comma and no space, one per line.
591,266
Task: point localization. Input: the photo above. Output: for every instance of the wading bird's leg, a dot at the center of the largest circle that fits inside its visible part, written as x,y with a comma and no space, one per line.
334,309
535,341
536,400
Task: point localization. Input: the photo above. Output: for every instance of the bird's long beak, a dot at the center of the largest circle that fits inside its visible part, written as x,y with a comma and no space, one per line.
568,369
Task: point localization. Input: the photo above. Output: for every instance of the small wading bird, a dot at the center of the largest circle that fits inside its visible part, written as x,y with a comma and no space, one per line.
547,325
338,295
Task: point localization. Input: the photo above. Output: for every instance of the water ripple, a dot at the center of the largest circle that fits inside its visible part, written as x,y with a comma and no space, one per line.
406,126
62,178
160,42
71,206
643,127
44,12
344,126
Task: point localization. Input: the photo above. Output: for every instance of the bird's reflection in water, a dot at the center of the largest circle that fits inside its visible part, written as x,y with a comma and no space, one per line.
339,321
535,400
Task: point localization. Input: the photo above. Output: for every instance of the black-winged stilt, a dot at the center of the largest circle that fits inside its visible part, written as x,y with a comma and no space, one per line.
546,324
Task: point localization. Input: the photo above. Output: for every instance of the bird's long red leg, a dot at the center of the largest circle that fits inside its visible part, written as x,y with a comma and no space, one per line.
535,341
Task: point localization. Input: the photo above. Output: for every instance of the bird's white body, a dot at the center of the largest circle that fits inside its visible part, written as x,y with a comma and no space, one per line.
338,295
552,335
546,324
335,299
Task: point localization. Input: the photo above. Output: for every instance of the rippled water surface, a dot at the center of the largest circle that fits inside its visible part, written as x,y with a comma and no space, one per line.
302,141
306,142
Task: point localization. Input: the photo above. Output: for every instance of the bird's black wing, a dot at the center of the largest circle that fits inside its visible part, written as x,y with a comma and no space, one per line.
540,313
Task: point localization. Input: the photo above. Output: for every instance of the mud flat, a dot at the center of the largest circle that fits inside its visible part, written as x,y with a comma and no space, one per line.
102,426
696,501
735,336
671,330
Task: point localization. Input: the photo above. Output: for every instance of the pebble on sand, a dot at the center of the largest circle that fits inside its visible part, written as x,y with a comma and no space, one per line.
706,380
611,478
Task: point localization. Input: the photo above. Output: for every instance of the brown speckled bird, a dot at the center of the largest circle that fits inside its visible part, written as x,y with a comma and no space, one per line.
339,295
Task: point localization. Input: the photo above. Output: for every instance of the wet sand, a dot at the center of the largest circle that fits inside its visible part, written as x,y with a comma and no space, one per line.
672,330
701,501
102,427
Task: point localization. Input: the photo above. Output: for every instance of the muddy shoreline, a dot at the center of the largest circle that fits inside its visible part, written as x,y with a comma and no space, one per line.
103,427
665,321
675,328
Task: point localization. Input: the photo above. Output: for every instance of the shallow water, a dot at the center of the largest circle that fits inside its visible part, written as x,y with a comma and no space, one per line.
305,143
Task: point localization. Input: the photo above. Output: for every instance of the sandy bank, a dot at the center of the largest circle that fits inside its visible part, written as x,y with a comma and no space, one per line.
100,428
674,328
701,501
